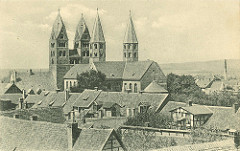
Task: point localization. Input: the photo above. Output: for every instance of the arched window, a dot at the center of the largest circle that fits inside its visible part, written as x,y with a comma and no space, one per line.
95,46
52,61
135,55
125,86
74,83
95,54
64,53
60,53
87,53
124,46
53,53
129,54
135,87
130,87
66,84
70,84
125,55
129,45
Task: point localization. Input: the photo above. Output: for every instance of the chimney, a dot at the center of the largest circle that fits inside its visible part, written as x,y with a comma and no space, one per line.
225,69
72,132
237,139
23,94
20,103
236,107
96,88
190,103
30,72
67,94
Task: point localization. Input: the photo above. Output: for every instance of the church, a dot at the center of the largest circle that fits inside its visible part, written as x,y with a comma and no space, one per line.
89,53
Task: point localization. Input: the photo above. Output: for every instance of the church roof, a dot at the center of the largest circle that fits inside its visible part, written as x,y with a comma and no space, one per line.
154,87
114,69
81,29
58,27
97,34
130,36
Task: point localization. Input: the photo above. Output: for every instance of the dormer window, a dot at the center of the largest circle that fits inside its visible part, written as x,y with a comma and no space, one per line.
51,103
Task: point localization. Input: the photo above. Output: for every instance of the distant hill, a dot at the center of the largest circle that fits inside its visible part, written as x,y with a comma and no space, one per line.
203,68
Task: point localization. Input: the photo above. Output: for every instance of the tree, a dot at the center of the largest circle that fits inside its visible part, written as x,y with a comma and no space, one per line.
90,80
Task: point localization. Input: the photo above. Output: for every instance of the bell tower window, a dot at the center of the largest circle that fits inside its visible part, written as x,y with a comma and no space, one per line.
129,54
52,45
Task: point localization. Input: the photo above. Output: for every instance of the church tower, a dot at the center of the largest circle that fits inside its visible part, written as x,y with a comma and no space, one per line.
58,43
97,42
81,41
130,43
58,51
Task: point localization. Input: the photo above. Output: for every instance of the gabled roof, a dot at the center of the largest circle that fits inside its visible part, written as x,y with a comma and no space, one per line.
154,87
81,29
76,70
9,88
97,33
86,98
135,70
112,69
58,27
197,109
130,36
108,104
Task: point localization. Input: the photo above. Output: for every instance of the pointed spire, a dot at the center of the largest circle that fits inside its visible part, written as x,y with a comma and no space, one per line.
97,34
58,26
130,36
81,29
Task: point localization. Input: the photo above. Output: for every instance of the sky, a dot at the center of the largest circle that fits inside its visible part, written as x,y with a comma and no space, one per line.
168,31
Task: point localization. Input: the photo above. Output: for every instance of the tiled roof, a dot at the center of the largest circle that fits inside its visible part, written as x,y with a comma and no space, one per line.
154,87
223,118
197,109
112,69
130,36
108,104
86,98
43,80
35,98
210,146
13,97
92,139
135,70
132,100
97,34
76,70
3,87
58,26
81,29
32,135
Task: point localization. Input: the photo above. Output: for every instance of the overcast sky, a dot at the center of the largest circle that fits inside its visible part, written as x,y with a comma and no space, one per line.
167,30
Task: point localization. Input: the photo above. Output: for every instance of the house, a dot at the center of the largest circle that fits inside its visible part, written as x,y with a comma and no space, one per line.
154,87
191,116
9,96
100,103
212,117
36,135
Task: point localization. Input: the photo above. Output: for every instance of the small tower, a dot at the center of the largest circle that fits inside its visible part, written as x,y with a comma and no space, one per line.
97,42
58,43
81,41
130,43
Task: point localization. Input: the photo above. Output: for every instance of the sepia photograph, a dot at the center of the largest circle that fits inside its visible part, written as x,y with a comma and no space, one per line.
120,75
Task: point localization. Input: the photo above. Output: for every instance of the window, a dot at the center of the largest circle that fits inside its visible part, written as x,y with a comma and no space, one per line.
129,45
61,36
52,61
129,54
134,46
61,44
64,53
101,46
66,84
135,87
124,46
135,55
74,83
53,53
130,87
70,84
87,53
95,54
60,53
125,55
52,45
83,53
95,46
125,86
76,45
90,46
